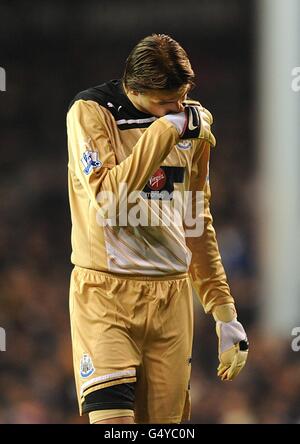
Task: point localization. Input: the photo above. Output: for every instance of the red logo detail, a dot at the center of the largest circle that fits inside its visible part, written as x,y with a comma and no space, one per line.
158,180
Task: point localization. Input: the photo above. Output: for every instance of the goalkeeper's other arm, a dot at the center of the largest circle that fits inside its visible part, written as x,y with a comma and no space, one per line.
232,342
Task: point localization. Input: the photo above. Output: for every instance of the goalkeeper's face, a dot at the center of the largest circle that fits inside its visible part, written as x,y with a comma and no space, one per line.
160,102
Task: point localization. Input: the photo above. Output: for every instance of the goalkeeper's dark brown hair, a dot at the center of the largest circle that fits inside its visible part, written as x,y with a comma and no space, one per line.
157,62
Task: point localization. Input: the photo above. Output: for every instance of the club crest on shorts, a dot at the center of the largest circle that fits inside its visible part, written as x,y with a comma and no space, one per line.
86,366
184,145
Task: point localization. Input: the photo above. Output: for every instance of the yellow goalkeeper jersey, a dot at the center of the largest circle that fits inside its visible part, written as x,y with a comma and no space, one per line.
134,190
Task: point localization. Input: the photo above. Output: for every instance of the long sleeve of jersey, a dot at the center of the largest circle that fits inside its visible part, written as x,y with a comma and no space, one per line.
88,130
206,269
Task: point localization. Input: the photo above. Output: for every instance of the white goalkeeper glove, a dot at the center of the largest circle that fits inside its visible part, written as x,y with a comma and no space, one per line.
193,123
232,342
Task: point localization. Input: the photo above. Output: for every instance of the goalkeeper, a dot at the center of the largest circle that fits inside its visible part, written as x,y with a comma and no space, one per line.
131,286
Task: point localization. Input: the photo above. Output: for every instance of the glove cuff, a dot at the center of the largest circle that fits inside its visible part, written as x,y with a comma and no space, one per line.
225,313
230,334
178,120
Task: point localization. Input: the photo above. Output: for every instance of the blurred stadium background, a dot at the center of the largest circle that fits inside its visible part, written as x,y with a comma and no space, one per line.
243,54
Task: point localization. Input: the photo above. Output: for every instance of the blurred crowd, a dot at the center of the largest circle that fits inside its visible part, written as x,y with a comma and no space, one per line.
46,66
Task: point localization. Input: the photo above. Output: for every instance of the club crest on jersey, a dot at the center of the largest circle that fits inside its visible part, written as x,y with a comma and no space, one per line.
90,160
158,180
184,145
86,366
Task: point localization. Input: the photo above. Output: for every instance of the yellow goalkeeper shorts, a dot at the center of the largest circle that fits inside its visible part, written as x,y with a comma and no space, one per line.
132,344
